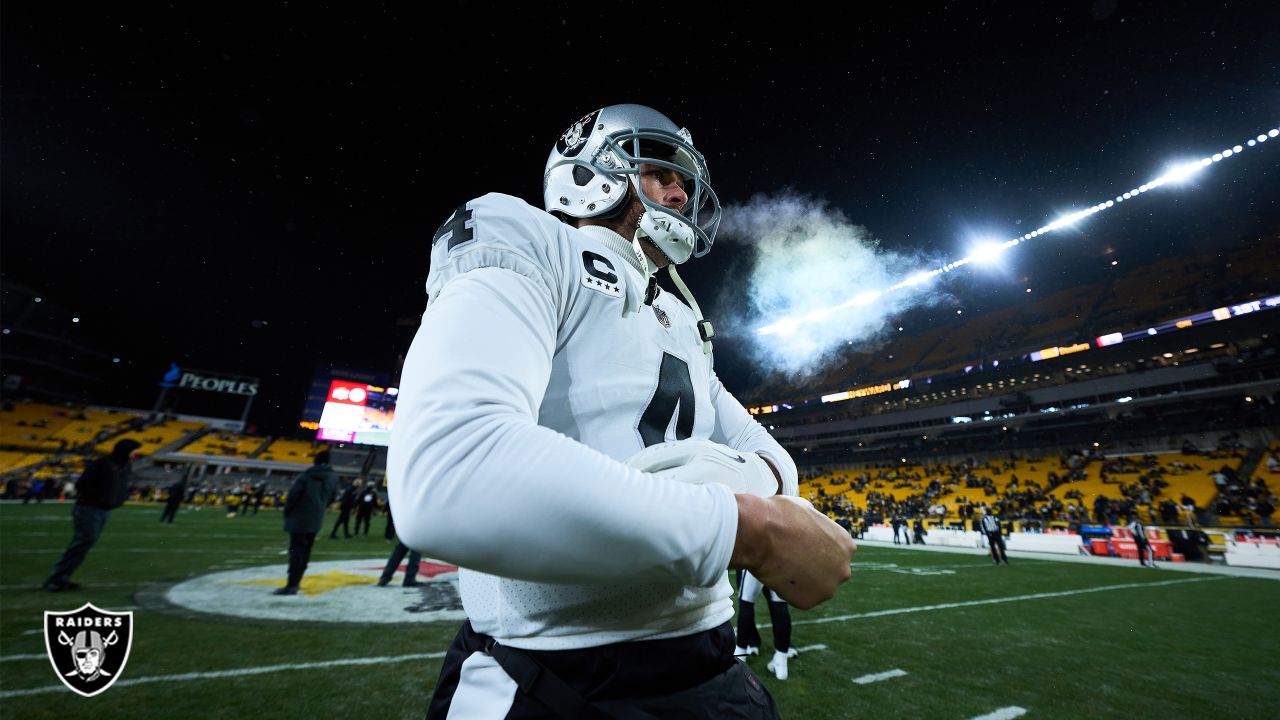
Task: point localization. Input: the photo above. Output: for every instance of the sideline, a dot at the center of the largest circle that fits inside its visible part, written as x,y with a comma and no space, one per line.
1181,567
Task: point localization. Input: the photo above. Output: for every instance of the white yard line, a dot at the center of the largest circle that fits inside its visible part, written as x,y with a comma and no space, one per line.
9,658
149,550
808,648
994,601
201,536
877,677
240,672
36,585
1007,713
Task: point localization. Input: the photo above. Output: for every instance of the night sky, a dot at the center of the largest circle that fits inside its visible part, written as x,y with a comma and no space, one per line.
255,191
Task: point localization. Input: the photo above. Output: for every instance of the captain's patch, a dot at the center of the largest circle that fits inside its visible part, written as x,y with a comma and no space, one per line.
599,274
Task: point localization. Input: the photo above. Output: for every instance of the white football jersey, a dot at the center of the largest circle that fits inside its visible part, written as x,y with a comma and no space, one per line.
538,368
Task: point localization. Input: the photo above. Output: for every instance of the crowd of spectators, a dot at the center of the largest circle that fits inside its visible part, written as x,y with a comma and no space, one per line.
1252,502
1141,490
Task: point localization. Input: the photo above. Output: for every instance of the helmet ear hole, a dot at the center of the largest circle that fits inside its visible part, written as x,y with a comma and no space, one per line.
582,175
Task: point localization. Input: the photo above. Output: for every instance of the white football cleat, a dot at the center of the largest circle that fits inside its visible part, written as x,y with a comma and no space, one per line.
792,652
742,652
779,665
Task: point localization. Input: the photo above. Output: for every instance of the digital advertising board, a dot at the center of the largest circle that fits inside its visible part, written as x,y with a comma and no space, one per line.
357,412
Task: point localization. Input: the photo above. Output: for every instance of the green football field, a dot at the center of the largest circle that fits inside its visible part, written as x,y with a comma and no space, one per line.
953,636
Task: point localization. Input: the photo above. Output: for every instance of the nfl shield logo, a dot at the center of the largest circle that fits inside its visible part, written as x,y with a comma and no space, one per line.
88,647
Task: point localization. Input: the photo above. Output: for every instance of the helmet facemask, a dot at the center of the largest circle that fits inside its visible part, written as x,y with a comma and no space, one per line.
588,172
680,233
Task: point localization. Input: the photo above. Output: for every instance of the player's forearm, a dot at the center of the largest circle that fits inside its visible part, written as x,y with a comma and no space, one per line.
501,495
751,541
792,548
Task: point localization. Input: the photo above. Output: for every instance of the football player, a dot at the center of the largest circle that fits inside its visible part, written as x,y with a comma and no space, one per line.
547,357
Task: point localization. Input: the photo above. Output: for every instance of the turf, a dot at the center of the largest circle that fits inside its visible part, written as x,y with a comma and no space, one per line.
1203,646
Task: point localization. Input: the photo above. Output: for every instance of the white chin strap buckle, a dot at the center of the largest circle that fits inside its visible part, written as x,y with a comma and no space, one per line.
673,237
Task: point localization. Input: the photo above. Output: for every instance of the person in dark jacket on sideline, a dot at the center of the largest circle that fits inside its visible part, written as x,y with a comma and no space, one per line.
177,492
102,487
345,506
366,503
304,507
397,554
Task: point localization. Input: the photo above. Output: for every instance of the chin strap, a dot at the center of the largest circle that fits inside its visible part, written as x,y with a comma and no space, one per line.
705,331
643,263
641,258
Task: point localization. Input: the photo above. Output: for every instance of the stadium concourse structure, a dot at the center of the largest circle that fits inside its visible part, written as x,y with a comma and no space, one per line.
1153,394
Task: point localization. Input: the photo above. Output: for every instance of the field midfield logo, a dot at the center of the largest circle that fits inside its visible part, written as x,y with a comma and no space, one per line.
339,591
88,647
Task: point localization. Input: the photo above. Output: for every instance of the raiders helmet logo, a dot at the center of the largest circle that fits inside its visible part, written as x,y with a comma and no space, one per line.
88,647
573,139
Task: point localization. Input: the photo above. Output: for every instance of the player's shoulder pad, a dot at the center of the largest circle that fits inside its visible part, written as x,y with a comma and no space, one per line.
496,230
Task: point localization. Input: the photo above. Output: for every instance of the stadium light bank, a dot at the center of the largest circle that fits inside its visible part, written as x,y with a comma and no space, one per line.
991,251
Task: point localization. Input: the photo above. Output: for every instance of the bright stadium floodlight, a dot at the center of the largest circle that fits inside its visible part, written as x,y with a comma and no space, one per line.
988,252
816,315
919,278
864,298
1180,173
782,327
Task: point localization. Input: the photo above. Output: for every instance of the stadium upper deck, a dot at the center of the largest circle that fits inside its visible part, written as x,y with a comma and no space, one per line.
1066,322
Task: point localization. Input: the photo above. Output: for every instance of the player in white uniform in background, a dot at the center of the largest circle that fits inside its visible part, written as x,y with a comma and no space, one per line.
546,359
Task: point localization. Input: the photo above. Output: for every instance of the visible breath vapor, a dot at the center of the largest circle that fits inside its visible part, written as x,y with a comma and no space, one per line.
809,256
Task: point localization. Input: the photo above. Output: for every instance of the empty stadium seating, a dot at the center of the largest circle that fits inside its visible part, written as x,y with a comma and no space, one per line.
33,425
225,444
88,425
17,460
287,450
155,437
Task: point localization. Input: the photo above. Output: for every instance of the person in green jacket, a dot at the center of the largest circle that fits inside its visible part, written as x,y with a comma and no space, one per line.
304,508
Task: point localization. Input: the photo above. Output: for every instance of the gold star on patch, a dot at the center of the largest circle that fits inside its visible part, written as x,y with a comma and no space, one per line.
320,583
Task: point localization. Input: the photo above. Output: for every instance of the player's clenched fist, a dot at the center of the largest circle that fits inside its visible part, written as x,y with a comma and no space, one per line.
792,548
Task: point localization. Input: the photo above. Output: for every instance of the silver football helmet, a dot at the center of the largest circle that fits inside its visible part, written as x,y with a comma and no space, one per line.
592,162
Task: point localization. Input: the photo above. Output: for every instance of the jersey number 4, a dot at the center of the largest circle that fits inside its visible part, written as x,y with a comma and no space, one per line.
674,394
459,228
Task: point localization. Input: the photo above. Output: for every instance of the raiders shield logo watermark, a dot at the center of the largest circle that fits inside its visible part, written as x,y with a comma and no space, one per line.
88,647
